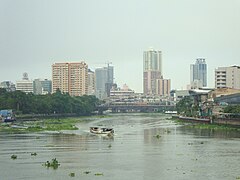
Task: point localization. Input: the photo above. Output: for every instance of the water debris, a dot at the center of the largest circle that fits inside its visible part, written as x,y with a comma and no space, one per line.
109,146
201,142
167,131
98,174
14,156
157,136
72,174
190,143
87,172
33,154
54,163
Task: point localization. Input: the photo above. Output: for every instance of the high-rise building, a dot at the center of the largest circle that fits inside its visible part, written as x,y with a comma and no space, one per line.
163,87
198,74
91,82
42,86
227,77
70,77
25,84
152,71
104,81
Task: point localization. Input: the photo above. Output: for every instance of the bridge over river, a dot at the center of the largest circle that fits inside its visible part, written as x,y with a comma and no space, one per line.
115,108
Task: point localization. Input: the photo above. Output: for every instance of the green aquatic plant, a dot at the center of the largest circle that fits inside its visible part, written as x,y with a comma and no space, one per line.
109,146
14,156
98,174
54,163
87,172
72,174
33,154
157,136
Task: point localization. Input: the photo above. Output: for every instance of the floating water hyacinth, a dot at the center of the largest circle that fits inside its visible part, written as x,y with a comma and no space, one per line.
54,164
14,156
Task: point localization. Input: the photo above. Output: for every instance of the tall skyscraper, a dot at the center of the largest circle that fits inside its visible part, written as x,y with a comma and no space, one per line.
152,70
104,81
70,77
227,77
198,74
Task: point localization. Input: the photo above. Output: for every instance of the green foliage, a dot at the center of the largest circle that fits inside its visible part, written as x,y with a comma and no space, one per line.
42,125
56,103
14,156
232,109
72,174
185,106
54,163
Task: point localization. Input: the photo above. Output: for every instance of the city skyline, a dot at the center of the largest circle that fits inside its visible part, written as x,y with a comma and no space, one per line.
98,32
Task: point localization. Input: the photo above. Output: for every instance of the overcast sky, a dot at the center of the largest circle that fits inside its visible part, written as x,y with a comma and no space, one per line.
34,34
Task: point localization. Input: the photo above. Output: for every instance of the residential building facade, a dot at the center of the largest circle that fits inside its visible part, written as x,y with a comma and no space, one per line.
227,77
163,87
198,74
70,78
152,70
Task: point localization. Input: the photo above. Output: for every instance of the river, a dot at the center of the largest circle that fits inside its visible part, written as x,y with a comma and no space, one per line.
144,147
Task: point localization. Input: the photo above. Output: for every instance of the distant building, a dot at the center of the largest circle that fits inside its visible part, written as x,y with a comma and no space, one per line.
198,74
42,86
8,85
152,70
47,86
70,78
91,82
121,93
163,87
104,81
177,95
227,77
25,84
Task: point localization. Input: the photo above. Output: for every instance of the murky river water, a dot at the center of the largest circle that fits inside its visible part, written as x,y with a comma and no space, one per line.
134,153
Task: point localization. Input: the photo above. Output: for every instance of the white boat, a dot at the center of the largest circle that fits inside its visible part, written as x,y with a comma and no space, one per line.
98,130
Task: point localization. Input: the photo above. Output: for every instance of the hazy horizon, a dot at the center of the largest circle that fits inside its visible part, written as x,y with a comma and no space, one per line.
37,33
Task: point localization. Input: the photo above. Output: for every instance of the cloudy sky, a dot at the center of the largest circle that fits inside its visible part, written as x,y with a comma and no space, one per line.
34,34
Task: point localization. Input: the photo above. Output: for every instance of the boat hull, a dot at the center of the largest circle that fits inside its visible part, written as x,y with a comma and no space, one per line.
97,130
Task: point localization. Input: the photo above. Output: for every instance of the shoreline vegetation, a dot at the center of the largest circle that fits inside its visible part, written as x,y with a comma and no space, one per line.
41,125
45,124
212,126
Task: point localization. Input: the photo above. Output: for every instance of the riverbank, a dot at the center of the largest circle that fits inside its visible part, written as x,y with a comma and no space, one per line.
219,121
216,124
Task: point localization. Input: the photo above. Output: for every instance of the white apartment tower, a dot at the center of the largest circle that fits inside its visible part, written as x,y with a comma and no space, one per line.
227,77
70,77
